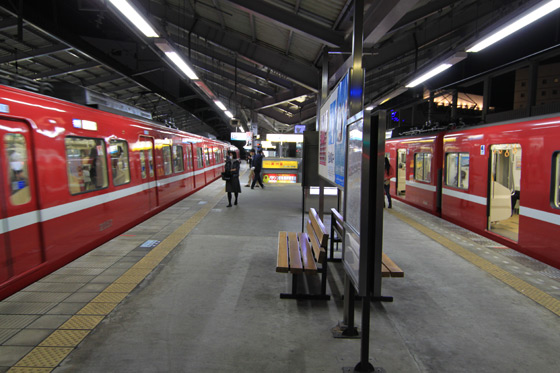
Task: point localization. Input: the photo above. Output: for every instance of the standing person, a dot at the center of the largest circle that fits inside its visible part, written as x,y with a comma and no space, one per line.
232,185
387,181
251,168
257,163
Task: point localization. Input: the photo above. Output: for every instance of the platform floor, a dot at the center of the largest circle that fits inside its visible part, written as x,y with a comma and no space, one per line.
195,289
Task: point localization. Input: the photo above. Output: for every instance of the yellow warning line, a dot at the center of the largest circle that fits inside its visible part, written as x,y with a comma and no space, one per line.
60,343
549,302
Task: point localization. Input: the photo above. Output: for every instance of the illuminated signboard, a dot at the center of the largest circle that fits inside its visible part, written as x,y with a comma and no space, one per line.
238,136
299,128
280,178
280,164
276,137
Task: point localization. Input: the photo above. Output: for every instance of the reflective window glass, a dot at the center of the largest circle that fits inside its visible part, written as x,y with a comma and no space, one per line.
86,162
18,175
166,151
200,159
143,164
118,151
419,166
178,163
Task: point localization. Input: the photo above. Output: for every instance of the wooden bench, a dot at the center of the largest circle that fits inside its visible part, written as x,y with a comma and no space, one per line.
304,252
388,267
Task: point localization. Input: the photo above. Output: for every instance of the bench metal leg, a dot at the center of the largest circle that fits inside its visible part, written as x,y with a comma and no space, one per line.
294,294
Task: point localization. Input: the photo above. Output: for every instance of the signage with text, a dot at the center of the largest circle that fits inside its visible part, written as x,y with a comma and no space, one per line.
280,178
280,164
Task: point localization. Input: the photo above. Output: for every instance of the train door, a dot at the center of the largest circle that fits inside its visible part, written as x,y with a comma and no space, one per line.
207,161
190,163
504,190
21,241
148,169
401,172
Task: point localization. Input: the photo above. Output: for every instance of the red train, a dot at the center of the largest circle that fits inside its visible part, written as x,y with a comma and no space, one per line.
501,181
73,177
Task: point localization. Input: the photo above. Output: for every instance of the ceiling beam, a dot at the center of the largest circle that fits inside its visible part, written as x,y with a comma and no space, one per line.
280,98
33,53
230,60
291,21
298,72
378,20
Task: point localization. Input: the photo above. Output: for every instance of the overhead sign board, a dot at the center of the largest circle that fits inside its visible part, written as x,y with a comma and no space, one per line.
277,137
239,136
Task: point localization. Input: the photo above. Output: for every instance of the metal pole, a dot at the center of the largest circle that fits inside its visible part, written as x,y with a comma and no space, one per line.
376,201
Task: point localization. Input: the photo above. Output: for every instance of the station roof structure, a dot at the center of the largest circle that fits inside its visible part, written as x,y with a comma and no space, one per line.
261,59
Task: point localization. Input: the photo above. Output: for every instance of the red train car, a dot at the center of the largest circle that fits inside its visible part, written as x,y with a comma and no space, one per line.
417,162
73,177
501,181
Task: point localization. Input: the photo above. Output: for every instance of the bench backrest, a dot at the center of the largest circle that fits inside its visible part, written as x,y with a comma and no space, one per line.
318,235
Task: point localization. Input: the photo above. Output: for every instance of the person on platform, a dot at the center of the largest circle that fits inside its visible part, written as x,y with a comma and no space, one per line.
232,185
257,163
251,168
388,174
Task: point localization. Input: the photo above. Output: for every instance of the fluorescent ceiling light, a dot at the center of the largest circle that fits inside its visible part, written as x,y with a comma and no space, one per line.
517,25
181,64
429,74
133,16
230,115
220,105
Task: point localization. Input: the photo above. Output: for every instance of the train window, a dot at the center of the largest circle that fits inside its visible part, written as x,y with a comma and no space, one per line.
188,157
16,154
217,155
457,170
178,163
423,166
86,162
166,151
120,167
200,159
208,156
556,165
143,164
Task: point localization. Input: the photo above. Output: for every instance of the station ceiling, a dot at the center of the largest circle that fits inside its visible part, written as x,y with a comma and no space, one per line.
262,59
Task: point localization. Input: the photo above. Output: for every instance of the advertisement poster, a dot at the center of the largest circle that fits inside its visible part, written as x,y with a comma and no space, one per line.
323,123
332,134
341,121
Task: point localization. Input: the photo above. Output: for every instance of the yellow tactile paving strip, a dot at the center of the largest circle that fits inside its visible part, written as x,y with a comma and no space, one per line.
530,291
59,344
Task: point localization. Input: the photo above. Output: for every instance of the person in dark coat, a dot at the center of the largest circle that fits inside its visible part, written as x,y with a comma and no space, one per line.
257,163
232,185
388,174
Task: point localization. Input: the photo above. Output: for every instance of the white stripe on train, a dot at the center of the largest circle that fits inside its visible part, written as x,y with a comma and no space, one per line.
524,211
33,217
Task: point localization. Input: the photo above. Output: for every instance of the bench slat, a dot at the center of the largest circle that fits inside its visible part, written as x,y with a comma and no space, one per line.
319,227
318,250
385,272
392,267
306,254
282,259
295,256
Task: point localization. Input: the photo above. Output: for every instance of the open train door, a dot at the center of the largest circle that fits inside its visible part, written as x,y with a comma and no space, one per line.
401,172
21,240
148,170
504,190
